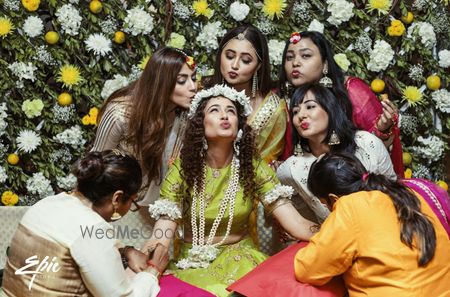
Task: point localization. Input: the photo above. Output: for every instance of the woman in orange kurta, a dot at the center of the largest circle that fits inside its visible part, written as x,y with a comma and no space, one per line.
385,239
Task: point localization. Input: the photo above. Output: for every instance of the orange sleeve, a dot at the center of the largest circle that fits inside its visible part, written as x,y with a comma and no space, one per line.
331,251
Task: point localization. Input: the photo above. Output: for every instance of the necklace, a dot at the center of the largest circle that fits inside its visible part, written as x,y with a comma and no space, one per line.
202,253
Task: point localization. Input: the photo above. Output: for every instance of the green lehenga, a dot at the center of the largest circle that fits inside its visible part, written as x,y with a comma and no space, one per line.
234,260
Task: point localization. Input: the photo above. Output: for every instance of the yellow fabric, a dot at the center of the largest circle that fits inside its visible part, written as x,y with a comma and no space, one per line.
175,189
269,121
361,240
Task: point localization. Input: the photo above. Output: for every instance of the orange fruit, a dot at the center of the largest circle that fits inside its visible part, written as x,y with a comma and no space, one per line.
408,18
51,37
442,184
95,6
13,159
433,82
119,37
65,99
407,158
377,85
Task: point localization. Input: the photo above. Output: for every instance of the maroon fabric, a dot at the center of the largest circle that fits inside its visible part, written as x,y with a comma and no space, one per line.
366,109
175,287
275,277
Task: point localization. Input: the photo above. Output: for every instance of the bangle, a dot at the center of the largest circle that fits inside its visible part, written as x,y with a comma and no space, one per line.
123,252
151,264
385,135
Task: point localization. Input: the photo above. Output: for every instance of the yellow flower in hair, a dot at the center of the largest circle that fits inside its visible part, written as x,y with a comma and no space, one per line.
413,95
190,62
201,7
31,5
274,7
396,28
9,198
69,75
6,26
382,6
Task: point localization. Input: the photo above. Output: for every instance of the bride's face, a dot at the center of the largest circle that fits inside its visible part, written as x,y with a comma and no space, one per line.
221,119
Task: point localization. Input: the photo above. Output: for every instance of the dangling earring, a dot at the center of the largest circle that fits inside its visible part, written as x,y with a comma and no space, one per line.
115,216
334,139
298,150
254,85
325,80
236,142
205,144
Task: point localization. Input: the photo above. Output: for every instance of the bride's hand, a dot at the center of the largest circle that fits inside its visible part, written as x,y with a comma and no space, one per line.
137,260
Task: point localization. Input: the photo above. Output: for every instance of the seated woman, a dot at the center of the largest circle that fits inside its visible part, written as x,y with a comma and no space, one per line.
391,241
320,125
64,245
209,193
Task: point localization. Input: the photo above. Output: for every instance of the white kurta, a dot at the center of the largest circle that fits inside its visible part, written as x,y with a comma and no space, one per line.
295,170
64,219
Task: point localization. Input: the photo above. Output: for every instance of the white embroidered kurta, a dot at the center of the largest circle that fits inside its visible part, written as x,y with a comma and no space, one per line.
64,219
295,170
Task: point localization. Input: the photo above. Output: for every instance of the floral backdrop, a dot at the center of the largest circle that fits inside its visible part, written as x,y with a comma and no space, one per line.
60,59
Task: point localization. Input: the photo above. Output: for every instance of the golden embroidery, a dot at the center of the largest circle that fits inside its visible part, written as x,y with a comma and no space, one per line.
265,113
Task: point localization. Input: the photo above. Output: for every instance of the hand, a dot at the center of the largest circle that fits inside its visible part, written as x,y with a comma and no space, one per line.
137,260
387,116
149,246
160,257
275,164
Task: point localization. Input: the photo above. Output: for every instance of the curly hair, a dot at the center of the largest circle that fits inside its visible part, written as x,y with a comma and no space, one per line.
192,151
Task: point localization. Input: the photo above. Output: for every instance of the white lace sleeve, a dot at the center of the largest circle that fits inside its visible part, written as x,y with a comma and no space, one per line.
280,191
164,207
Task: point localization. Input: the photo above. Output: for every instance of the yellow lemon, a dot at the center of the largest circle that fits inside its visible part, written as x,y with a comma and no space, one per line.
407,158
13,159
408,173
377,85
51,37
119,37
442,184
433,82
408,18
65,99
95,6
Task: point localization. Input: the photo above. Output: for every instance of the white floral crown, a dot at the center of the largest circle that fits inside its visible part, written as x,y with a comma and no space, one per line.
221,90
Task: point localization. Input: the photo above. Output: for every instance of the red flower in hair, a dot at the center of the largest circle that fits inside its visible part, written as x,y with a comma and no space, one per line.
295,37
190,62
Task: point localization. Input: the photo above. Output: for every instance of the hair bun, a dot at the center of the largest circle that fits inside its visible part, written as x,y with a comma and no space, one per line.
90,167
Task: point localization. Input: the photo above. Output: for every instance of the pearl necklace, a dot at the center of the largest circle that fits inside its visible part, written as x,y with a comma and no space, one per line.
202,253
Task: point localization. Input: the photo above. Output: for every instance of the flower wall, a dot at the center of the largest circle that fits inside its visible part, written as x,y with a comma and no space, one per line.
60,59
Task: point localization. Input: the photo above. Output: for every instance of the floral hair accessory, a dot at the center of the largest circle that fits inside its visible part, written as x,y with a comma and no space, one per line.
365,176
190,62
295,37
221,90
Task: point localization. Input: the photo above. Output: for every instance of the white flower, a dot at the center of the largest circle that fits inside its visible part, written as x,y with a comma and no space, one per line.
67,182
164,207
442,99
108,26
265,25
425,31
380,57
416,72
69,18
221,90
11,5
276,49
99,44
72,136
315,25
363,43
40,185
341,11
444,58
112,85
3,117
33,26
23,71
301,11
208,36
138,21
432,148
28,141
63,114
3,175
280,191
182,11
42,55
239,11
199,257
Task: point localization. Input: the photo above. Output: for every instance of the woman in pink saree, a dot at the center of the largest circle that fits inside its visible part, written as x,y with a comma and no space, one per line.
308,57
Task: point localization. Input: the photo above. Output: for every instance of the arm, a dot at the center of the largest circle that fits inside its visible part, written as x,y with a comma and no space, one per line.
101,269
296,225
163,232
331,251
111,129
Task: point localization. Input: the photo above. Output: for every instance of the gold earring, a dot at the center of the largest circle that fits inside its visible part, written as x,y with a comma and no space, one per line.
115,216
334,139
325,80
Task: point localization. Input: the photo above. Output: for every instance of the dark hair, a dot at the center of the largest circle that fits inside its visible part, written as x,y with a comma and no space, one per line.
149,126
341,174
259,43
192,152
100,174
334,71
337,120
